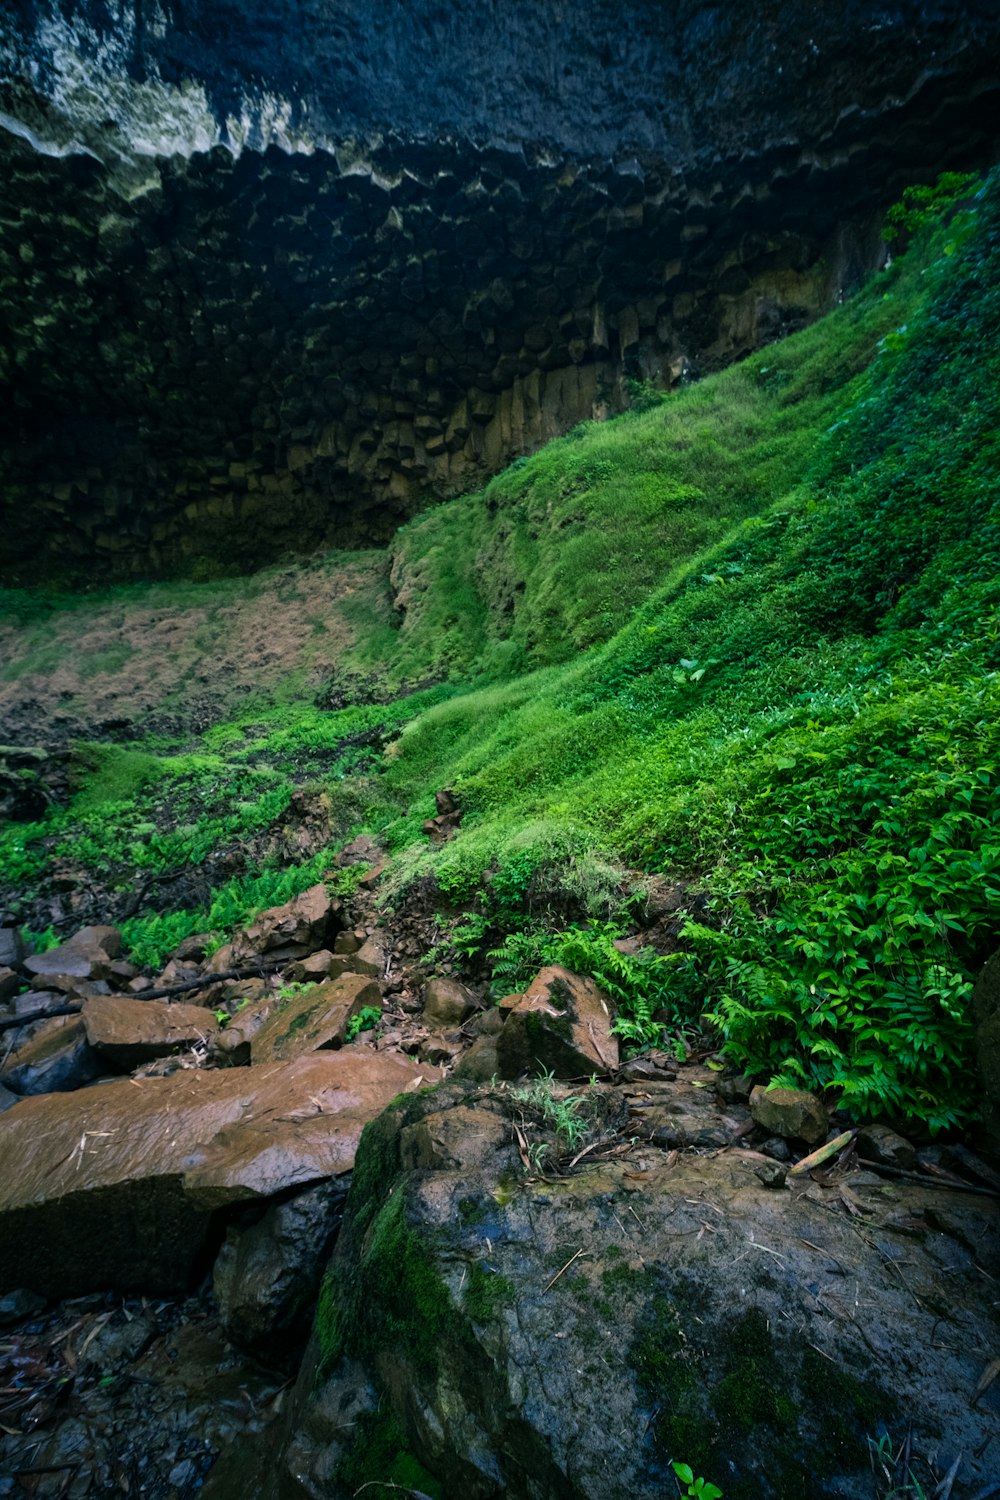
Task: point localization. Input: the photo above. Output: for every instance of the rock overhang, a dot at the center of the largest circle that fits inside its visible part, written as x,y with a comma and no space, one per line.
275,279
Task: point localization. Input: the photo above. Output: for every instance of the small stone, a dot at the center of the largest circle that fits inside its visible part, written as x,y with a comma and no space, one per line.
17,1305
734,1088
879,1143
446,1003
792,1113
771,1173
182,1474
777,1149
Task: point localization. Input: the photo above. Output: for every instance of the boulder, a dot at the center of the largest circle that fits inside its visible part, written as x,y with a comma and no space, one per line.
315,1020
131,1032
115,1186
11,947
570,1338
232,1044
267,1274
55,1058
446,1004
312,969
792,1113
70,959
561,1023
309,920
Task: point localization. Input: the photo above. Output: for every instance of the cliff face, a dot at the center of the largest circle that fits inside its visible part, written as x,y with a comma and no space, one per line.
273,275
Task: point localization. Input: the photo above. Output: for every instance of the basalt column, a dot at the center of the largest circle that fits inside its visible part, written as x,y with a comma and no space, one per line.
276,276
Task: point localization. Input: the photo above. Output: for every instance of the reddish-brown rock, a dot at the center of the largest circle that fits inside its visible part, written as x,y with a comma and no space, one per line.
130,1032
314,1021
114,1185
561,1023
446,1003
309,919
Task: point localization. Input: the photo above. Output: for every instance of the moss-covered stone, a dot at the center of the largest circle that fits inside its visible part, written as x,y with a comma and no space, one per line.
380,1462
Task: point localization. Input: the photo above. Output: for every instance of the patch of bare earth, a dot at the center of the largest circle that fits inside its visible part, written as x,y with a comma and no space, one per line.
178,658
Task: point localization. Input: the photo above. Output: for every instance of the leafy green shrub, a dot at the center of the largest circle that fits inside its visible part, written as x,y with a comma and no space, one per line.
366,1019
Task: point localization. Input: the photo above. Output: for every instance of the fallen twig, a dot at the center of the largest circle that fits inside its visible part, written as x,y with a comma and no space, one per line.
564,1268
821,1154
953,1184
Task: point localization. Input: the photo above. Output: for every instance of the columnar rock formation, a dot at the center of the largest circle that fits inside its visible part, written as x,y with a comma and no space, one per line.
274,276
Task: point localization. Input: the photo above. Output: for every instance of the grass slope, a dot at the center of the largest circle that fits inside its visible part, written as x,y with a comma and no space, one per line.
748,638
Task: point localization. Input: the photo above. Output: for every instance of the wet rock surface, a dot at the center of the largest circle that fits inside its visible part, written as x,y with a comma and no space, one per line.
115,1185
578,1249
577,1332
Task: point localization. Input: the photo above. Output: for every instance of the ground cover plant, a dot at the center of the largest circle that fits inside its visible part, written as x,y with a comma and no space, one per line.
746,638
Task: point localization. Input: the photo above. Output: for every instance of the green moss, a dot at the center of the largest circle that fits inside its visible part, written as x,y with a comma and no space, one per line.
750,1391
473,1211
380,1461
670,1380
485,1293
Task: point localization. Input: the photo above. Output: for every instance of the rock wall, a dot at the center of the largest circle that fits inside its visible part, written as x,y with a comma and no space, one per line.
276,276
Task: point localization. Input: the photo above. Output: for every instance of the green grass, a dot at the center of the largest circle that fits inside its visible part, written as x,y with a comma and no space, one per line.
748,638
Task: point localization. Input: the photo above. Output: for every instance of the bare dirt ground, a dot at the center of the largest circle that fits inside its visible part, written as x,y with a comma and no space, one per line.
175,658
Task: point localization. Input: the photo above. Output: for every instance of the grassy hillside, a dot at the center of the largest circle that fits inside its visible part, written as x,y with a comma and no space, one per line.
747,638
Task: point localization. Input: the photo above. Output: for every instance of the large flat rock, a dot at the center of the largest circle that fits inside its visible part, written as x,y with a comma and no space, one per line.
131,1032
116,1185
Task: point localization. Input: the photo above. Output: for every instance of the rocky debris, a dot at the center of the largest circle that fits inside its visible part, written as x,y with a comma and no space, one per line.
308,921
315,1020
792,1113
104,1396
360,851
575,1335
7,1098
445,824
114,1186
131,1032
267,1274
446,1004
311,970
878,1143
369,959
69,961
232,1045
56,1057
11,948
10,983
561,1023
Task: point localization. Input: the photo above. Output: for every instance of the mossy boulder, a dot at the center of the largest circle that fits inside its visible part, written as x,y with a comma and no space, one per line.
504,1335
